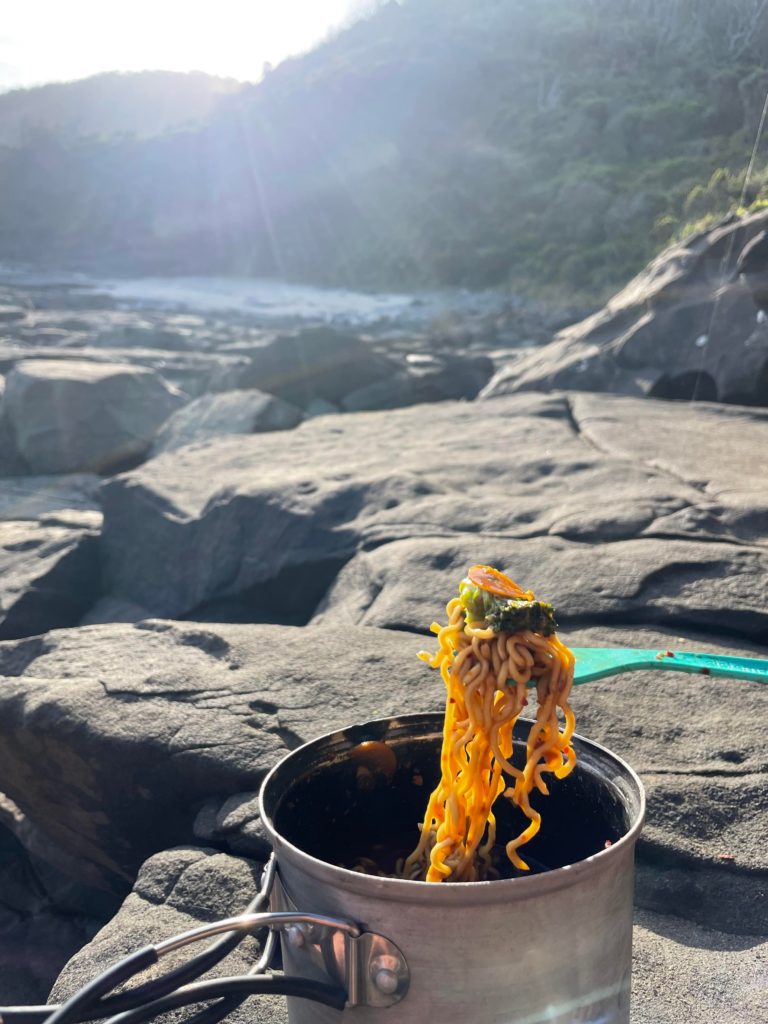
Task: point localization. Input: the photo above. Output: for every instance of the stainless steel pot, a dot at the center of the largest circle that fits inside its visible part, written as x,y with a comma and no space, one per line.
553,946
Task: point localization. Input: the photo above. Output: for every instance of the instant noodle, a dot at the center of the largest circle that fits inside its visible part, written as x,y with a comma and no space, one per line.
498,642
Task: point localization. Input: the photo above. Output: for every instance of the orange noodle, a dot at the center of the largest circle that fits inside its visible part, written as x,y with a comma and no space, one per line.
498,641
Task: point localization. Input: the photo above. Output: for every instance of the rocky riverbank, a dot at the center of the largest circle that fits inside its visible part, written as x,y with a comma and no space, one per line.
689,326
175,505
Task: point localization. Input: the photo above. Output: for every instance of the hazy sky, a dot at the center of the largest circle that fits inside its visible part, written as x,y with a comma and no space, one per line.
57,40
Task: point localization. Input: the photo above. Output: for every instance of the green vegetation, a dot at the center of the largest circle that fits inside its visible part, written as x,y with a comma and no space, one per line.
724,192
549,146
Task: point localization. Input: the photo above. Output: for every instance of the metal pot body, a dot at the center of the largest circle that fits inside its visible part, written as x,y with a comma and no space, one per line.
551,947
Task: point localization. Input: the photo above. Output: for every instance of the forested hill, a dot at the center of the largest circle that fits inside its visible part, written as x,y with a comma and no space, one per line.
473,142
116,103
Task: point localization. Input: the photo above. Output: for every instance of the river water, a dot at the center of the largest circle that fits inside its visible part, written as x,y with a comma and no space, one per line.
272,300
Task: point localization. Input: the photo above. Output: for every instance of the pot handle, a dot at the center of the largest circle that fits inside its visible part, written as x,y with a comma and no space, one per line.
369,967
352,967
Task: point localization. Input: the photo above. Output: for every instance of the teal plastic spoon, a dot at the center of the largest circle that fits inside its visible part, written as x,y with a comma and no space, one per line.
597,662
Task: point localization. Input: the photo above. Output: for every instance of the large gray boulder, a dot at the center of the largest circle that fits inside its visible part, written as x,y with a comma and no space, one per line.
231,412
72,416
49,571
194,373
200,525
317,362
394,392
684,328
425,378
112,328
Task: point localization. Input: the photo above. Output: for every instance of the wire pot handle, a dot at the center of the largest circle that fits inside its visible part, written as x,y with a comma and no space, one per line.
356,968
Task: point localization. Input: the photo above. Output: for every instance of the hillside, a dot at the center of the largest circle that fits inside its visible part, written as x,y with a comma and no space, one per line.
113,104
437,142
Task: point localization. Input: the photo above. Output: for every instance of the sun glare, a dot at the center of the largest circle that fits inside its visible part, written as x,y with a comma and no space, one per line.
47,40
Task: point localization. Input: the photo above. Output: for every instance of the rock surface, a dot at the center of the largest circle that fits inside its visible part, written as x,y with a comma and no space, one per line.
36,937
175,891
203,524
231,412
315,363
185,717
646,523
681,971
49,571
31,497
113,736
194,373
426,378
683,328
77,416
715,586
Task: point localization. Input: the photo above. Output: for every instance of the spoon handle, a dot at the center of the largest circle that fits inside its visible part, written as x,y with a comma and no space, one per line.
598,662
714,665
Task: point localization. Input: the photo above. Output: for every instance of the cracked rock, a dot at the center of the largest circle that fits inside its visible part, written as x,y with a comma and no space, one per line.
203,524
717,586
113,737
168,728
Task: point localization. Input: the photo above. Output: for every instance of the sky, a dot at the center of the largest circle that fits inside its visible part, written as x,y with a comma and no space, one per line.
60,40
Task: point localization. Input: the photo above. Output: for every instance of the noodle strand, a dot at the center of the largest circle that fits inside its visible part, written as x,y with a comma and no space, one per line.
487,674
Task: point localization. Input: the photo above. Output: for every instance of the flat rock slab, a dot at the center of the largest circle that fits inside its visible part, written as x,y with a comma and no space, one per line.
114,736
716,586
718,452
175,891
684,972
214,520
49,571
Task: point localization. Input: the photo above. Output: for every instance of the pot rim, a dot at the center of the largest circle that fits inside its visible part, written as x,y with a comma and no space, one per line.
453,893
